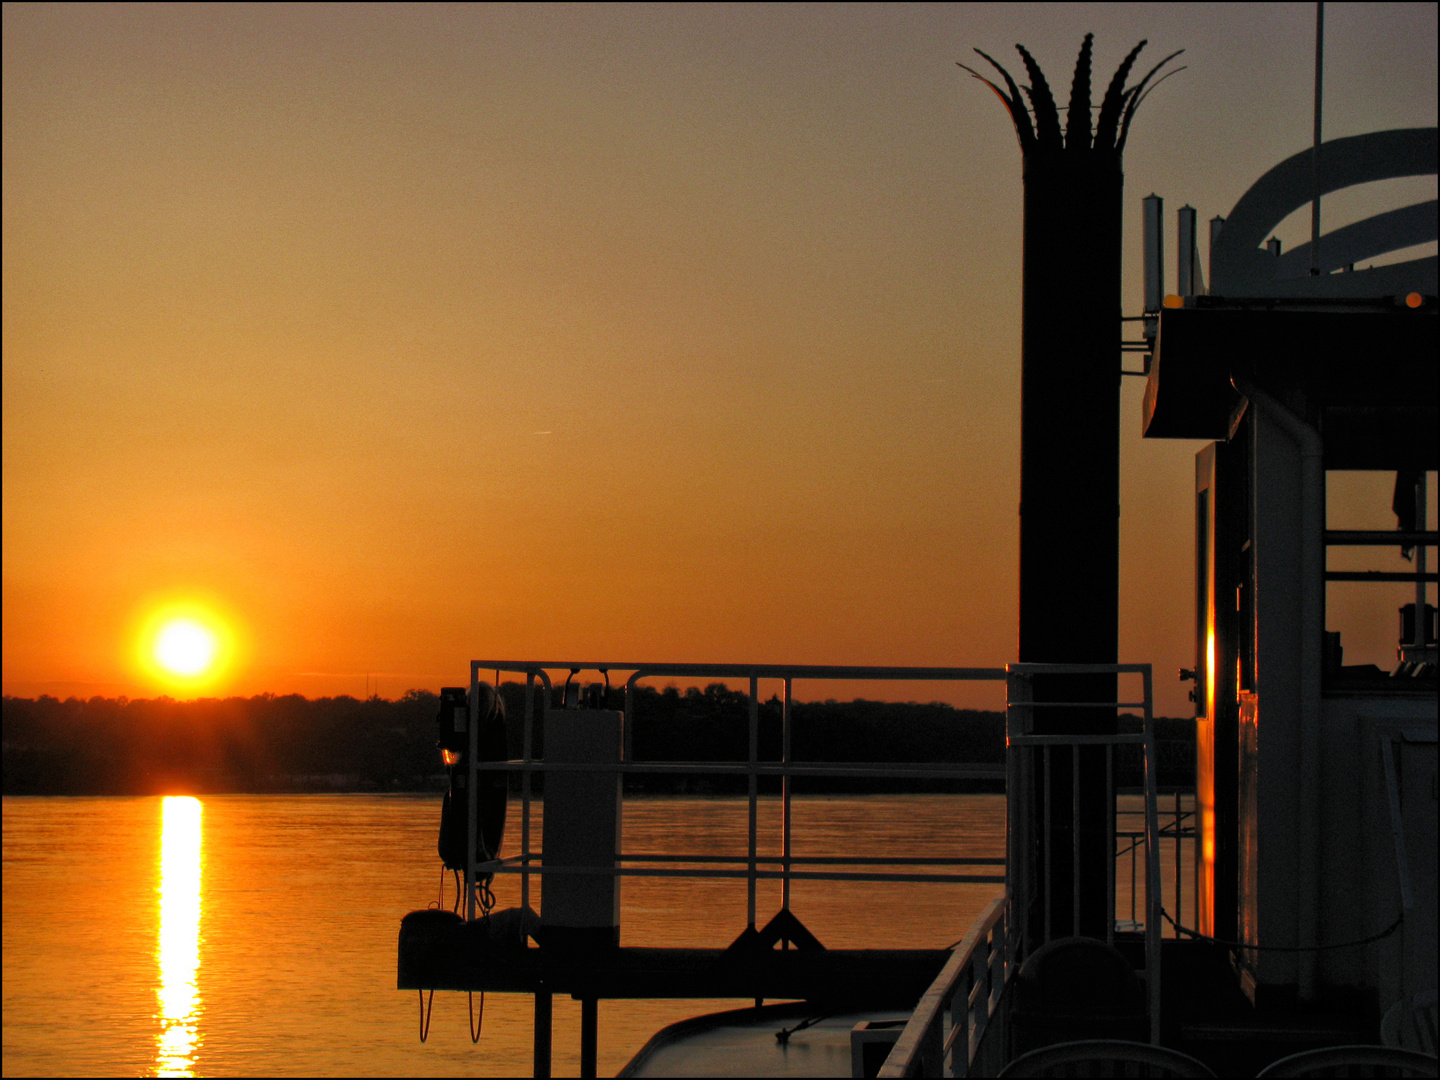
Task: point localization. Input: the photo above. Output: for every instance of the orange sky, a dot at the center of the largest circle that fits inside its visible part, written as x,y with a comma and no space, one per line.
401,336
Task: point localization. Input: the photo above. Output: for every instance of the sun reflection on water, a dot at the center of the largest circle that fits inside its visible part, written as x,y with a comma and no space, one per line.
178,950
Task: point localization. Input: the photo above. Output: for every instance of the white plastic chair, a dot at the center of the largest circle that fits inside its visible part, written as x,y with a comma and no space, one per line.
1410,1024
1352,1061
1105,1057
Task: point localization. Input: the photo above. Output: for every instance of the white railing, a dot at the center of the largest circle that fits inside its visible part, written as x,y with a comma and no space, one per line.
1030,841
959,1015
967,993
752,865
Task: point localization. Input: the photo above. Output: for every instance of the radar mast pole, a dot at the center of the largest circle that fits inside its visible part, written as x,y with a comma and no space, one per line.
1315,151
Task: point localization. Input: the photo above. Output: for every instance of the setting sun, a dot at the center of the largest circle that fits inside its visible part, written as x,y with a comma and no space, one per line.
184,647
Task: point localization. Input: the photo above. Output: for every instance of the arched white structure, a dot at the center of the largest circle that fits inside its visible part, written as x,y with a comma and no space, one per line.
1240,266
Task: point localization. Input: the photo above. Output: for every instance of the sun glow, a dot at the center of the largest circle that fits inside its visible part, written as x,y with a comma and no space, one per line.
178,951
186,646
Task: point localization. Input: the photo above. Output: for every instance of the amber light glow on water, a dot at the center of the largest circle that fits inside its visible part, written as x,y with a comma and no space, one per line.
179,944
256,935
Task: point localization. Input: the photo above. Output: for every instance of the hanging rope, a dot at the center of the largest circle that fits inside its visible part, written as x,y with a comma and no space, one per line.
474,1028
438,904
1283,948
425,1014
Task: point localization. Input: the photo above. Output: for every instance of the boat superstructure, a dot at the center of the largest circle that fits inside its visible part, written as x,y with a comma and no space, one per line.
1315,858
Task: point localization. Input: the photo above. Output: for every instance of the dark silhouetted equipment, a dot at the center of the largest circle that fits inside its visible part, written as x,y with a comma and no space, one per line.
454,743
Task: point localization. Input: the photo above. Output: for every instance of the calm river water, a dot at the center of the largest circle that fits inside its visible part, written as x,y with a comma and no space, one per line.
257,934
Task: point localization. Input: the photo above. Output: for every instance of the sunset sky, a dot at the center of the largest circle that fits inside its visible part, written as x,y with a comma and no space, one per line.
391,337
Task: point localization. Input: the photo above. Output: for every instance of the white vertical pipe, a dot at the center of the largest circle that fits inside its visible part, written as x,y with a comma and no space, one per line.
1217,223
1153,238
1186,257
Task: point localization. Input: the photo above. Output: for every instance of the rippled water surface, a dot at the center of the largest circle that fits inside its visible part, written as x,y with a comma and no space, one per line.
257,934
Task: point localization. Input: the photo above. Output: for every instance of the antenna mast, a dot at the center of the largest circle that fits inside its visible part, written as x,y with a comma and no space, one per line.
1315,152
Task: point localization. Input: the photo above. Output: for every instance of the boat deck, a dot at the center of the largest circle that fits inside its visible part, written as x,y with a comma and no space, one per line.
748,1042
440,953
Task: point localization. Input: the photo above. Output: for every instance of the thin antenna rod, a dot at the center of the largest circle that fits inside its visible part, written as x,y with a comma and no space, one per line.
1315,152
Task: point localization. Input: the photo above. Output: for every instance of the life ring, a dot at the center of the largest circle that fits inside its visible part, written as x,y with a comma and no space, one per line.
493,786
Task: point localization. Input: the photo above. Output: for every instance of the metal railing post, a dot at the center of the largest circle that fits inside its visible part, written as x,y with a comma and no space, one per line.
543,1022
1045,840
589,1035
961,1029
1134,891
785,799
932,1049
977,1000
1019,843
1179,911
627,738
1075,840
471,808
1110,832
754,789
527,744
1152,874
1000,947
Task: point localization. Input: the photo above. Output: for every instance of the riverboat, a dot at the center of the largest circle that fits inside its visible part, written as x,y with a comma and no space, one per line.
1310,851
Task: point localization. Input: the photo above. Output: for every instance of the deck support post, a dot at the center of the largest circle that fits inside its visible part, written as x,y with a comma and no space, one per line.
542,1034
589,1033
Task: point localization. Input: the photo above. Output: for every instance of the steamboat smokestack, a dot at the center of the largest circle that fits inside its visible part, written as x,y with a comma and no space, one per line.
1070,429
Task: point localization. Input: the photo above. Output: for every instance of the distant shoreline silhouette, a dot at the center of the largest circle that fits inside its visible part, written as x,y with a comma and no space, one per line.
291,744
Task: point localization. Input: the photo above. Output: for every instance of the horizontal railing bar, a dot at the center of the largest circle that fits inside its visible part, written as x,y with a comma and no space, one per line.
917,769
978,992
1380,537
759,671
808,671
1076,740
769,875
1139,792
951,1040
1077,704
1378,575
817,860
1078,669
537,857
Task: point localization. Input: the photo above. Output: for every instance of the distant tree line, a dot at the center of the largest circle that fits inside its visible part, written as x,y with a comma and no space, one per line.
290,743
